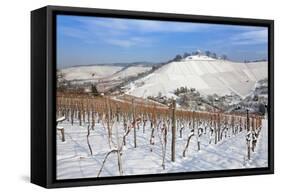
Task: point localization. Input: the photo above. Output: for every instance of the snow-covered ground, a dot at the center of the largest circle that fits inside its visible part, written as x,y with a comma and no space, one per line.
74,159
205,74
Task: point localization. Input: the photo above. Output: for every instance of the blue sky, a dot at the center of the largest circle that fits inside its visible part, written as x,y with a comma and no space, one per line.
85,40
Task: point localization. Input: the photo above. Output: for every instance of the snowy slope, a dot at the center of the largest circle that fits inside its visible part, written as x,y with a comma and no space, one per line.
111,72
130,71
74,159
89,72
206,74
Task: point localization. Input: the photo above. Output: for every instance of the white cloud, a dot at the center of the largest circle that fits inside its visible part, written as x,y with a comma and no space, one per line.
115,24
129,42
120,42
251,37
73,32
159,26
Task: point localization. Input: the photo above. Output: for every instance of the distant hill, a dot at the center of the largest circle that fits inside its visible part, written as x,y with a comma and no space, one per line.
205,74
125,64
105,71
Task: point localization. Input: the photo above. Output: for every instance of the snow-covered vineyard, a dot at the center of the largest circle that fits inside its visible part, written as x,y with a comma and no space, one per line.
102,136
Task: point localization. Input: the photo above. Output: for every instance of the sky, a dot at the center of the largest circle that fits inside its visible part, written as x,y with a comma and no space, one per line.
84,40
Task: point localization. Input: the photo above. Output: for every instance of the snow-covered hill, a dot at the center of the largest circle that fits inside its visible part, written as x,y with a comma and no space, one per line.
205,74
95,72
130,71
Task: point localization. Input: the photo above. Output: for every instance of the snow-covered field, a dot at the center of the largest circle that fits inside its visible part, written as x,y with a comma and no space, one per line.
74,159
205,74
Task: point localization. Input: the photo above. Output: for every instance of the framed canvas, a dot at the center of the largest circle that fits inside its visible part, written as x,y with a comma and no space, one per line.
126,96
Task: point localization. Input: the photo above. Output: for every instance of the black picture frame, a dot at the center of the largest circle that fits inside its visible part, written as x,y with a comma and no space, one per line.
43,92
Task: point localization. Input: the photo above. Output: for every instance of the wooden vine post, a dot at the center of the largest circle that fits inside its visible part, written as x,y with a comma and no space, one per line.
248,136
134,124
173,151
117,141
219,128
216,128
108,109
